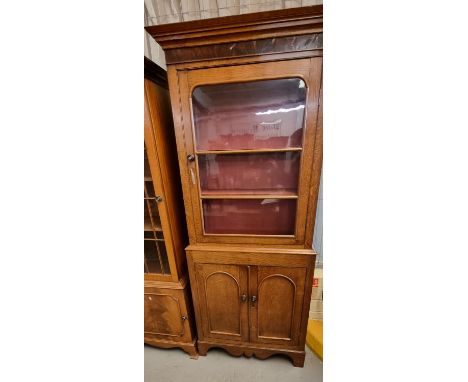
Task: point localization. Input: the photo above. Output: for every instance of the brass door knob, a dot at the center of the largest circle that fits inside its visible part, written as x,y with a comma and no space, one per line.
191,157
244,298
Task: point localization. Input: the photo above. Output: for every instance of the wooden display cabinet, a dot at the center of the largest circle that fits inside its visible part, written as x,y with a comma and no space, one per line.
246,95
168,313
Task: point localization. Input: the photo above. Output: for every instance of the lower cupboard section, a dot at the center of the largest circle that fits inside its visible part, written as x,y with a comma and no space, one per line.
252,300
168,317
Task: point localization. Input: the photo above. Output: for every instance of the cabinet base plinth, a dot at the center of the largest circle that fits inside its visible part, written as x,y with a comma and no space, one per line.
189,348
297,357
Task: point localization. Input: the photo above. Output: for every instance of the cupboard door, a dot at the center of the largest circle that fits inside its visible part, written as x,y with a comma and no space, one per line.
276,312
165,315
223,294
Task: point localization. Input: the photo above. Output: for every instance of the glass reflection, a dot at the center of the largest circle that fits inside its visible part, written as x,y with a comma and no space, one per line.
249,115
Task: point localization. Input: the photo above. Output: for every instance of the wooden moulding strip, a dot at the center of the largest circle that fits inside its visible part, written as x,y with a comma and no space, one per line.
247,151
181,284
249,196
244,249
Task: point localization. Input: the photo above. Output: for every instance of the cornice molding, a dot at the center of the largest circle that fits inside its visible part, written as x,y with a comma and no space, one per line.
247,27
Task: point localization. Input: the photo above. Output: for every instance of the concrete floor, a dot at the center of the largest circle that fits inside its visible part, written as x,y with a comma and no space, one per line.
173,365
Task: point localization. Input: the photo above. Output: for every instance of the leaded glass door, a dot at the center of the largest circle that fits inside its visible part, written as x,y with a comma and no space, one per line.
156,260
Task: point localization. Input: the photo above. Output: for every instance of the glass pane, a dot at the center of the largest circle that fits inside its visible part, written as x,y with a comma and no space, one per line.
155,255
264,173
156,260
152,261
159,235
149,189
162,250
152,220
149,235
249,115
250,216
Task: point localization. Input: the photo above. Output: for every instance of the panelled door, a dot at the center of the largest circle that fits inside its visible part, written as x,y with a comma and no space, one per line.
251,303
166,315
223,295
276,312
249,134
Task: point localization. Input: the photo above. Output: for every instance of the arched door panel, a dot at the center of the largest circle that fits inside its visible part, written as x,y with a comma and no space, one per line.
276,313
223,308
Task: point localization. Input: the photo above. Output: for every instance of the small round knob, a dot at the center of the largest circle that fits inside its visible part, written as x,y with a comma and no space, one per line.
244,298
191,157
158,198
184,318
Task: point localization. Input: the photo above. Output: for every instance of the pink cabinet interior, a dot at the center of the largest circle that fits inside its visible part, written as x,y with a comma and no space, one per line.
248,140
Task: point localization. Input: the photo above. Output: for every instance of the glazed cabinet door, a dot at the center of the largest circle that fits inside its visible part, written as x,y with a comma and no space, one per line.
159,239
249,136
276,304
223,294
156,257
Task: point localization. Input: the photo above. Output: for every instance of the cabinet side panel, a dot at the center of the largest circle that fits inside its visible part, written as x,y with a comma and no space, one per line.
316,163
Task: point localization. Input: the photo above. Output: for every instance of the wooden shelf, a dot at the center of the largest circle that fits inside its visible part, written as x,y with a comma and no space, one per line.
248,151
247,195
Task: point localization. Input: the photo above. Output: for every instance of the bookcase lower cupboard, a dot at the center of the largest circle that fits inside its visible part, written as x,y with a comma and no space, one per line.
246,97
252,302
